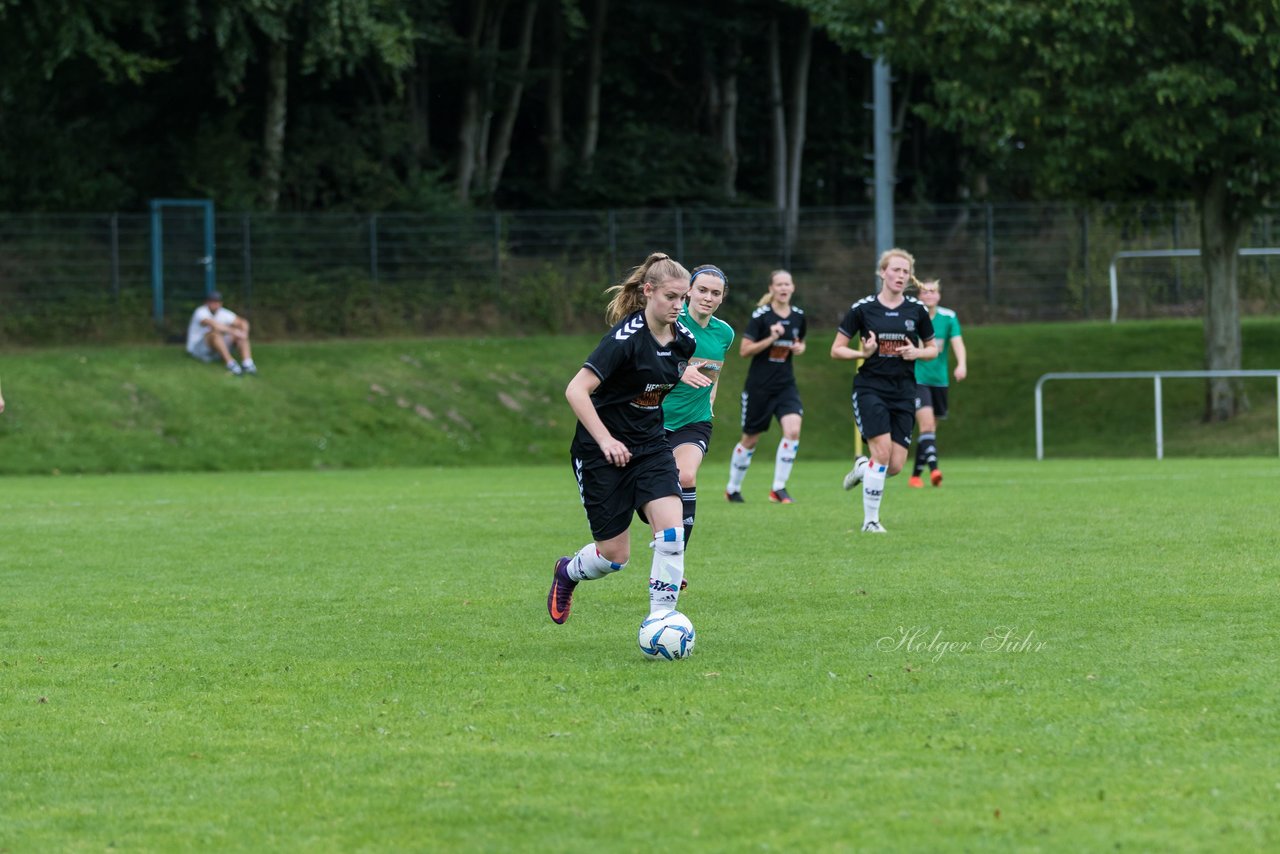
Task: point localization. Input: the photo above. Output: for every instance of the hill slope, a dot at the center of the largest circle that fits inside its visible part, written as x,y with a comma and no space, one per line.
445,402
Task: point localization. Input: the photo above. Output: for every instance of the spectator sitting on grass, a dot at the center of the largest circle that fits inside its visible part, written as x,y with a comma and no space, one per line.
215,330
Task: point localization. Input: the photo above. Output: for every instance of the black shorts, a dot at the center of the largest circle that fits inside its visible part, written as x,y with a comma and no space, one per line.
698,433
610,495
759,409
933,396
877,414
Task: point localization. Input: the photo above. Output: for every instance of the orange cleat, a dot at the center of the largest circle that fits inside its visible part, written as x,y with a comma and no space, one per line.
915,482
935,477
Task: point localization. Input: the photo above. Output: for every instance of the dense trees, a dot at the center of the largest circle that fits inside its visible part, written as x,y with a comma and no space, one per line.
372,104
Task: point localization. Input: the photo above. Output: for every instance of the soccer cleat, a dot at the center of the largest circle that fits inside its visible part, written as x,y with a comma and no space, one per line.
780,496
873,527
915,482
684,582
560,597
852,478
935,477
251,369
734,497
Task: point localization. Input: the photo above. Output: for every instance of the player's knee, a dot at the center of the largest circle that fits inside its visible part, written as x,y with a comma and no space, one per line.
688,479
617,556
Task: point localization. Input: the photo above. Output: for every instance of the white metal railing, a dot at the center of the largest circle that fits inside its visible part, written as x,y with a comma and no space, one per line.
1157,376
1163,253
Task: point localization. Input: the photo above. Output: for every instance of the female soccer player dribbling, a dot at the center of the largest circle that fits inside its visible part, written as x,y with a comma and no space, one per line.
895,331
620,454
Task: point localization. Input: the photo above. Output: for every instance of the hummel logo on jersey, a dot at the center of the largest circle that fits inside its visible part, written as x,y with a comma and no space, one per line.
629,328
663,353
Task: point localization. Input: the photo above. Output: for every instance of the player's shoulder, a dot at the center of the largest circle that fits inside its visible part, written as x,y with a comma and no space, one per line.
913,301
795,309
761,311
870,298
720,326
625,329
947,312
684,331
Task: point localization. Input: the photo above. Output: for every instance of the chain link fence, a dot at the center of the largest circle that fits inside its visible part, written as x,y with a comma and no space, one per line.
78,277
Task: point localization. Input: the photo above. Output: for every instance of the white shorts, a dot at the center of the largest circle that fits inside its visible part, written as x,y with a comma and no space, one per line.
205,353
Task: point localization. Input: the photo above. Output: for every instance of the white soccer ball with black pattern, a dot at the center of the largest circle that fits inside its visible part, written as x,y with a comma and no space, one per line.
666,636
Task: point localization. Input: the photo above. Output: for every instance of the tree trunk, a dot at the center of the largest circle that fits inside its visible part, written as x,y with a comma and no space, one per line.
489,76
553,140
778,139
591,129
502,142
1220,233
469,121
729,118
417,94
797,122
277,109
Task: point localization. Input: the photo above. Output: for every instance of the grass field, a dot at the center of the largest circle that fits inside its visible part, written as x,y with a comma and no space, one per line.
1069,655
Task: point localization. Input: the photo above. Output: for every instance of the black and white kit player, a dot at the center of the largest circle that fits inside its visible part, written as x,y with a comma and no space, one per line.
884,388
636,374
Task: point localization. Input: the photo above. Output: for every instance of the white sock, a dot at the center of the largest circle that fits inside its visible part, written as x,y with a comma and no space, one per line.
588,564
668,570
248,363
872,492
785,459
738,466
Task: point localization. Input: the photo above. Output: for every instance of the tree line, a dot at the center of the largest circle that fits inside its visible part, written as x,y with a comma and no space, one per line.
439,104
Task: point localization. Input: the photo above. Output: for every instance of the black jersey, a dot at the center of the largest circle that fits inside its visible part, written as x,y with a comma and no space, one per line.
771,368
635,373
886,371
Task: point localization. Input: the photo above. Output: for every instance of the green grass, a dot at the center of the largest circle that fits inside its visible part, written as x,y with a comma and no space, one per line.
354,660
452,402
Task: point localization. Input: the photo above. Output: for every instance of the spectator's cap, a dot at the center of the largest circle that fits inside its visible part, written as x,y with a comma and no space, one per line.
213,296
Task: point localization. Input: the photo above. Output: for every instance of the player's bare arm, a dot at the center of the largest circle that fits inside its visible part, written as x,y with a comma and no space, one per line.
578,393
840,348
928,351
694,377
749,346
962,358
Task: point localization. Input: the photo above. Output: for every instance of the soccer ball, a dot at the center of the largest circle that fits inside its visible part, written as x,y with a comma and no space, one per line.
666,635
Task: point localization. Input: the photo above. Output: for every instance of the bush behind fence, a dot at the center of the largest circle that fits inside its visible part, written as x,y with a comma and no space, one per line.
89,277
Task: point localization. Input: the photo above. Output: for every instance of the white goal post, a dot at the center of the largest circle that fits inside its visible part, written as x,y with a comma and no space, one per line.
1157,376
1162,253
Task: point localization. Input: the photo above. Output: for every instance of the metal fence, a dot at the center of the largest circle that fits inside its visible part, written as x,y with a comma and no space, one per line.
343,274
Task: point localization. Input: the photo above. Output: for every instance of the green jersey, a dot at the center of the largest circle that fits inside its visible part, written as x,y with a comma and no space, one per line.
688,405
945,327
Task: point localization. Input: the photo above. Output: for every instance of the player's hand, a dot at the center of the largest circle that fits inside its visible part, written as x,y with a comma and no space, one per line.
870,345
909,352
694,377
961,372
777,330
616,452
797,347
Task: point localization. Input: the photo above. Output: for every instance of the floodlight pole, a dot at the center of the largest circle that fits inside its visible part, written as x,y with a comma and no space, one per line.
883,147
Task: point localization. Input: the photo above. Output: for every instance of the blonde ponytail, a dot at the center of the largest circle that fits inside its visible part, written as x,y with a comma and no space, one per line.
628,296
